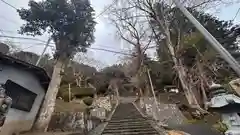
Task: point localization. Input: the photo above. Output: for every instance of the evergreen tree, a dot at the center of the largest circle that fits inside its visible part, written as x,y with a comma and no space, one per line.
71,25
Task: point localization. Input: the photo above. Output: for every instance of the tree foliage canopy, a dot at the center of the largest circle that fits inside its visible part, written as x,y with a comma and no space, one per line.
224,31
71,25
190,45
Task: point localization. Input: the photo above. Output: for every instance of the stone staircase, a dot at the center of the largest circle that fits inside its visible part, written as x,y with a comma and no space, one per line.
128,121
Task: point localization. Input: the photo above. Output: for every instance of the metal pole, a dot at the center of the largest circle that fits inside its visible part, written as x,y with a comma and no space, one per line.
154,96
215,44
69,92
44,50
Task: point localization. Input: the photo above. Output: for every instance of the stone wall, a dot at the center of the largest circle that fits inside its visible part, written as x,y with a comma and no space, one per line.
67,121
168,114
74,121
103,106
103,102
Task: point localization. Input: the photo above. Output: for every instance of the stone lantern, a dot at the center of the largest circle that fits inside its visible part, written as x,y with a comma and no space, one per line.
228,105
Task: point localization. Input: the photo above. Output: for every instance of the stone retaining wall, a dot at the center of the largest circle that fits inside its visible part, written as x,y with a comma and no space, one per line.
67,121
165,113
74,121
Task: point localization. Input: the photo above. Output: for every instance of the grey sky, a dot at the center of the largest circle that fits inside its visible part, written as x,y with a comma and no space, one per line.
105,34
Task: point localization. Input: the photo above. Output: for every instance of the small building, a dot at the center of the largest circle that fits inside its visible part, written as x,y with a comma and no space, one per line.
26,84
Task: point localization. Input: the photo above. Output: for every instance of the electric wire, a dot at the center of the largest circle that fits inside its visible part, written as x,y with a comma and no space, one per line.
10,5
34,39
236,14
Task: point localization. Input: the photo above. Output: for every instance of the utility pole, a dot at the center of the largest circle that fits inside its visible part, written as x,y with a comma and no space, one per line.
44,50
215,44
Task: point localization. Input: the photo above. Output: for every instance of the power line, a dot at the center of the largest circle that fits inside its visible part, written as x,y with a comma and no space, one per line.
111,47
105,10
9,31
236,14
9,4
34,39
27,47
74,3
100,14
112,51
40,44
38,39
9,20
22,43
24,38
93,48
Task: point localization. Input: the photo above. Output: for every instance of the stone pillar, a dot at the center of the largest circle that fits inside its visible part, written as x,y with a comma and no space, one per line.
232,120
235,85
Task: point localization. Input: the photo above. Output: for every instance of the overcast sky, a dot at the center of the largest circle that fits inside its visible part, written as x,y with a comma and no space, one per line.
105,33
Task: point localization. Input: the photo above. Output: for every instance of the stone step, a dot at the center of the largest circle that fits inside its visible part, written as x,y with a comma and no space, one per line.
109,127
128,116
139,129
133,131
128,124
128,120
136,133
124,113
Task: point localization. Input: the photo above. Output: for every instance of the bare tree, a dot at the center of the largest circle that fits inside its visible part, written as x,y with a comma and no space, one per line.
132,20
132,27
86,58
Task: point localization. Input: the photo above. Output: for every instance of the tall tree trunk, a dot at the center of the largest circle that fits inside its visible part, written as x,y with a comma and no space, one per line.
177,63
140,92
48,105
86,119
203,82
181,73
147,90
139,64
